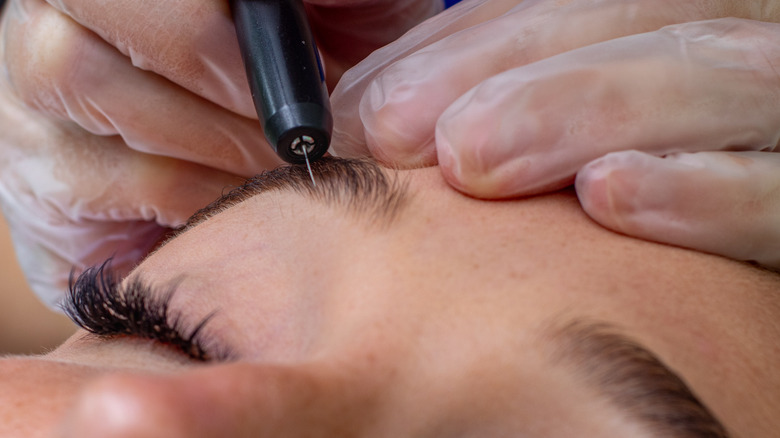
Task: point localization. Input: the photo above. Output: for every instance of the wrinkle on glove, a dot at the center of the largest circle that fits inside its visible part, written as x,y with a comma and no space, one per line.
75,202
49,251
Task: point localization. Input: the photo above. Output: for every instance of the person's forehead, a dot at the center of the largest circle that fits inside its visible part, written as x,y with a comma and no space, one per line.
304,196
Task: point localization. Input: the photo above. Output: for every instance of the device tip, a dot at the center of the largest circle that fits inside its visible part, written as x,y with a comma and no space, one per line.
308,166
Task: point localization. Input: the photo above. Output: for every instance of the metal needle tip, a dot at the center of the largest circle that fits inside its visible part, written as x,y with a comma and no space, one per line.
308,166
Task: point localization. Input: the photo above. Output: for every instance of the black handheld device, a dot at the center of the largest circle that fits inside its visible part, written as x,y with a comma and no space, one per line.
285,76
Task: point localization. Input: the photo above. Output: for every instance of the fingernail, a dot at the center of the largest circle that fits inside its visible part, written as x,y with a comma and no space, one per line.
447,164
603,191
375,95
482,153
398,129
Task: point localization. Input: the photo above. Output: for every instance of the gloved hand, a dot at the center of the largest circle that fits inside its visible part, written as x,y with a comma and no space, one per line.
514,98
118,120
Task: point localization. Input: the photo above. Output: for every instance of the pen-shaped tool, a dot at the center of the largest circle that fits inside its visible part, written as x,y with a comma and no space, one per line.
285,77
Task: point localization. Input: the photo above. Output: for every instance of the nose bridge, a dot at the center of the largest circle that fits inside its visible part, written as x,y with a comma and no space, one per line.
239,399
35,394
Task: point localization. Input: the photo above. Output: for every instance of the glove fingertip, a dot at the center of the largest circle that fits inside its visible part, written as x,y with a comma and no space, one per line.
610,191
593,192
648,197
471,169
397,133
467,154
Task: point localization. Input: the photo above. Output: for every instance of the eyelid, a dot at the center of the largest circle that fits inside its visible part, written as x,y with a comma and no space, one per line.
97,303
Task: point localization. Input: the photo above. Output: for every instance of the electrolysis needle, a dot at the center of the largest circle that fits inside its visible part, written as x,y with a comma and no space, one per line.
301,146
308,166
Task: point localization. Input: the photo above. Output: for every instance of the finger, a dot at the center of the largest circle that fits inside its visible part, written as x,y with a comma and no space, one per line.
691,87
57,229
238,400
74,75
192,44
723,203
402,104
109,206
348,134
73,199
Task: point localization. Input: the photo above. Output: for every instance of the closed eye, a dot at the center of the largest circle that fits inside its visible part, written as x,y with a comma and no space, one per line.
99,304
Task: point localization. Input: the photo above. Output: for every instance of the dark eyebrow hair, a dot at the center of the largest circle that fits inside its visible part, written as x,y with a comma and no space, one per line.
360,186
633,379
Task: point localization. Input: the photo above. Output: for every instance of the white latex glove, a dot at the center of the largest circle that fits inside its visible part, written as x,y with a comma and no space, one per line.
724,203
119,119
514,98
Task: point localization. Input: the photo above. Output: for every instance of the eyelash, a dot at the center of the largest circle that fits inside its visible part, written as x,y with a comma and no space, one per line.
99,304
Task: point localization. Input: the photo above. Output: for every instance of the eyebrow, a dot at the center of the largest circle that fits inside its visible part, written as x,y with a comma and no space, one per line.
360,186
633,379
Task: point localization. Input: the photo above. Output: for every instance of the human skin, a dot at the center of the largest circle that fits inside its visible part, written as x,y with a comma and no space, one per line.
439,321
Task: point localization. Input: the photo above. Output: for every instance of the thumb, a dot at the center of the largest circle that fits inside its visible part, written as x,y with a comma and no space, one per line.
724,203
